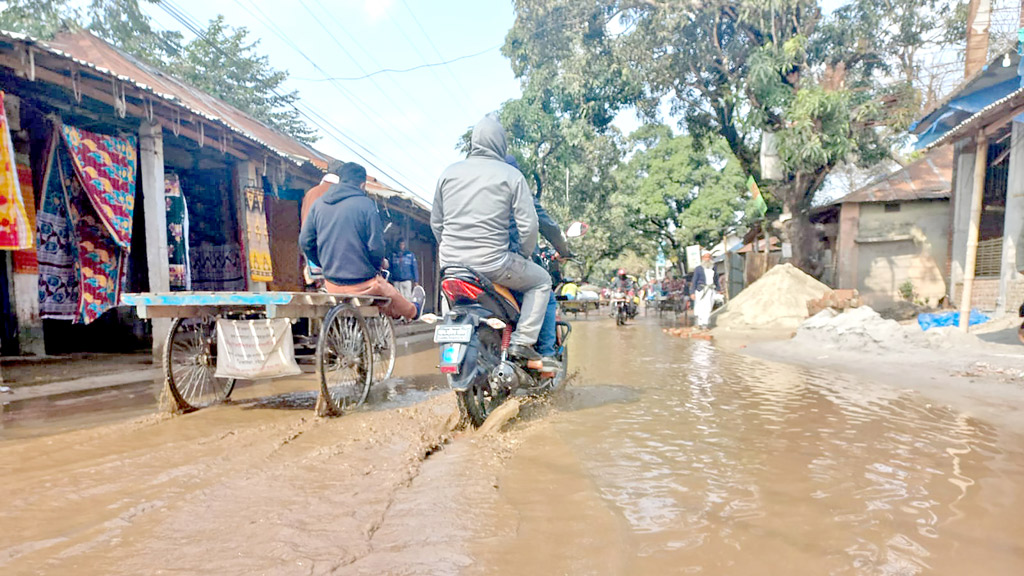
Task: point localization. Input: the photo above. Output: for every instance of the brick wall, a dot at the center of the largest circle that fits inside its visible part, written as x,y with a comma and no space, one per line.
986,294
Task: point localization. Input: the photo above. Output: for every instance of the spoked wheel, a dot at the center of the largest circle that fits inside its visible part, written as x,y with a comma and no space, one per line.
382,338
344,358
190,362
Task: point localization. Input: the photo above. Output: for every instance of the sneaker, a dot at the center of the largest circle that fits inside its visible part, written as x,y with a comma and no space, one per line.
551,364
419,296
521,352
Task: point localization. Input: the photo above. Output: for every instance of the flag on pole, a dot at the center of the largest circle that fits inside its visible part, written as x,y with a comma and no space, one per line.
757,207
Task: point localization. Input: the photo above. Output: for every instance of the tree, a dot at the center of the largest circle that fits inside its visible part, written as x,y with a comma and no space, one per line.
120,22
233,70
549,147
677,195
732,69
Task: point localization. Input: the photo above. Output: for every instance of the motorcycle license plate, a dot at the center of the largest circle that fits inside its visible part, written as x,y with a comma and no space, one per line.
460,334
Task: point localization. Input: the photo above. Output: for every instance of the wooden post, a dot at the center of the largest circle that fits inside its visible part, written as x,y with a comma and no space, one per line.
767,248
977,195
151,163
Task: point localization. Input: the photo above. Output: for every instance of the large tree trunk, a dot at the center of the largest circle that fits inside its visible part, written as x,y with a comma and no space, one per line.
798,230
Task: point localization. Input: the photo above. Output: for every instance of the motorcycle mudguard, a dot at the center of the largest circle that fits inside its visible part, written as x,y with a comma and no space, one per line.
468,365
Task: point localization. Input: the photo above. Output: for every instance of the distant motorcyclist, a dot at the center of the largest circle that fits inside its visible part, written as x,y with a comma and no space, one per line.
626,285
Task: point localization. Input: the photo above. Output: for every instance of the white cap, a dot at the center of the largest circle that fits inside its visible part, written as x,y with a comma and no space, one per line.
330,178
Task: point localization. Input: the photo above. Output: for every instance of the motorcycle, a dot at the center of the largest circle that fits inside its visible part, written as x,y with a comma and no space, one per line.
474,337
624,306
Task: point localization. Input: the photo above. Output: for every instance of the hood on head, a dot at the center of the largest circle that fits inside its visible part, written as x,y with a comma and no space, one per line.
489,139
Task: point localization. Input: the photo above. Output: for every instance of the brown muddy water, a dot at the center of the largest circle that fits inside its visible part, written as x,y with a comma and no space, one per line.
663,456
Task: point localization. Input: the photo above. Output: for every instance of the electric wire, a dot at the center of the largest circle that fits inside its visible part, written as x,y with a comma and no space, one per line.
336,134
354,100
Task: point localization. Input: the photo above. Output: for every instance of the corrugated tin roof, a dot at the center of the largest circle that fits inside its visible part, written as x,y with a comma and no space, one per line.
986,114
88,50
928,178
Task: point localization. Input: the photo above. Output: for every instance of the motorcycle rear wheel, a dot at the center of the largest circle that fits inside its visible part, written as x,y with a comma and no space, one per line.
476,403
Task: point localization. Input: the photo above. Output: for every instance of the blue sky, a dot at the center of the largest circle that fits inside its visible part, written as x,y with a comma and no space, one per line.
406,124
410,122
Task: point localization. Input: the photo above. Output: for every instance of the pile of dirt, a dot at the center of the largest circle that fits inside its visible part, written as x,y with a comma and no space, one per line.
860,329
778,300
857,329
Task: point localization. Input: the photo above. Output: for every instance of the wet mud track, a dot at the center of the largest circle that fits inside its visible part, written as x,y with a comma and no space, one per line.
663,456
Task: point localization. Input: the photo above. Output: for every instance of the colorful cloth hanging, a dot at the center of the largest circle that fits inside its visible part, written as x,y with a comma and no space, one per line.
257,237
100,260
177,234
15,232
106,167
217,268
26,261
57,243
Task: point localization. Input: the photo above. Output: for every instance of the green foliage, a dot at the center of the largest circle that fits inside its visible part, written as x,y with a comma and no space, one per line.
676,194
235,71
120,22
733,69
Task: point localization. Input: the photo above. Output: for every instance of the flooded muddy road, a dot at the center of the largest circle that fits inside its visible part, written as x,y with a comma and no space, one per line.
663,456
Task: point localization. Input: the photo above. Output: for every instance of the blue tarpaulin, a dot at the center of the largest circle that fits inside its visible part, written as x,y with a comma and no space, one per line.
937,319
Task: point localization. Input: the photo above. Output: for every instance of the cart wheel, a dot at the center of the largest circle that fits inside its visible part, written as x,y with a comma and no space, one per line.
344,359
382,338
190,361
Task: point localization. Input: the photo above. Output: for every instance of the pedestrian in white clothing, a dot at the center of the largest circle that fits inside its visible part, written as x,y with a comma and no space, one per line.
704,285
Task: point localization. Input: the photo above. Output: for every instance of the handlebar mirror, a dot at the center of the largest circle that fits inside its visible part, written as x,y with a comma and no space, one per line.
576,230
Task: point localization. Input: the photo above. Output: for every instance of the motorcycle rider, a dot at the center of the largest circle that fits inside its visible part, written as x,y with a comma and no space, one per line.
549,229
623,283
473,204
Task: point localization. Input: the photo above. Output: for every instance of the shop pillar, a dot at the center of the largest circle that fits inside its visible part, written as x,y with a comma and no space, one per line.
1013,225
961,213
151,162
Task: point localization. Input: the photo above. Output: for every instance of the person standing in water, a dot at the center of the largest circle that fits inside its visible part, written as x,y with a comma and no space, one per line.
704,284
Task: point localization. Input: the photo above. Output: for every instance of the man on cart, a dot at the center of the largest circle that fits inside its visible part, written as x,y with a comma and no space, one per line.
342,235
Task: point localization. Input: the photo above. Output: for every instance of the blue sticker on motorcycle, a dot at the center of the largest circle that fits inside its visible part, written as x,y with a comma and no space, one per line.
450,354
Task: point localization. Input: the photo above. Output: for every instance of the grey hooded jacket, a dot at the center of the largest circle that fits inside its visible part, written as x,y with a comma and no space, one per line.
475,200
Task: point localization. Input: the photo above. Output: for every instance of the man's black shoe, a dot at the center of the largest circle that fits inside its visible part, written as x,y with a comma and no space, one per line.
520,352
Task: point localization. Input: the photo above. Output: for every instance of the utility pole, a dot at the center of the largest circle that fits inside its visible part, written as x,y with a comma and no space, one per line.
566,186
979,20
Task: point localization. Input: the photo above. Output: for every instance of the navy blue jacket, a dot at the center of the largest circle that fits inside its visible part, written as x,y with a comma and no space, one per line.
698,281
344,236
404,267
548,229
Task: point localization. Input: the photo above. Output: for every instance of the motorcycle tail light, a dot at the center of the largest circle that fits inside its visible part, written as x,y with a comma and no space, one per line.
457,289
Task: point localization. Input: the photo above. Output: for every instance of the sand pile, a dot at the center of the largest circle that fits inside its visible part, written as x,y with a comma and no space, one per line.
778,300
861,329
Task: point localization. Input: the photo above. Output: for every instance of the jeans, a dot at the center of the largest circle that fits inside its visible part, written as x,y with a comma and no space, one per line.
521,275
547,337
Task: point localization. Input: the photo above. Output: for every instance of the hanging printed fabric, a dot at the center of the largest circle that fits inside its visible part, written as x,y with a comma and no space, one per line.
177,234
57,245
257,237
100,259
26,261
106,167
15,233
